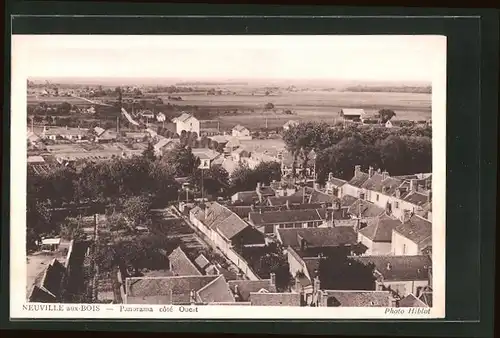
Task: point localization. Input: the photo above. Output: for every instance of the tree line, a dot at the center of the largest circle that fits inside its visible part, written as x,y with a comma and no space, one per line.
403,151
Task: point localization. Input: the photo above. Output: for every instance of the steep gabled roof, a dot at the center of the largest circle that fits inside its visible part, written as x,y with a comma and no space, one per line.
416,229
358,179
411,301
365,209
321,197
317,237
243,288
216,291
399,268
381,230
181,264
275,299
354,298
183,118
287,216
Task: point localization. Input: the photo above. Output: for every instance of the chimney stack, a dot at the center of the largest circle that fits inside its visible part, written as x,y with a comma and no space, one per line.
385,174
413,185
405,216
192,297
357,170
287,204
370,171
330,176
273,278
236,293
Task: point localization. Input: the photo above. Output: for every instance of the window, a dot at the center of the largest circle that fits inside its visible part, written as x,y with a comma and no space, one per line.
396,205
362,196
404,249
377,197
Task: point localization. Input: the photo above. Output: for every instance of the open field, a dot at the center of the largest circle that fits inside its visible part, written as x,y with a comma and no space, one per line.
311,106
34,100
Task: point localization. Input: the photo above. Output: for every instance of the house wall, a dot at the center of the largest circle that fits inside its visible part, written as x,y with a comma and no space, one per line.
295,264
191,124
382,199
403,246
291,225
348,189
374,248
403,288
398,206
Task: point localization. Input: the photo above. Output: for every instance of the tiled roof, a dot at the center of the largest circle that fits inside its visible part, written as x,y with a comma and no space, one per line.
52,278
337,182
183,118
411,301
321,197
219,217
181,264
244,210
359,179
231,226
385,186
39,295
401,268
243,288
306,206
426,296
318,237
416,229
287,216
365,209
239,127
416,198
215,213
266,191
348,298
157,290
65,131
347,200
163,142
202,261
205,153
281,200
99,131
312,265
216,291
381,230
36,159
274,299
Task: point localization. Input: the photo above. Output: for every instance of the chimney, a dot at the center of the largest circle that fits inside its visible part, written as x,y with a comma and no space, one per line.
236,293
330,176
273,279
370,171
287,204
192,297
302,242
385,175
357,170
260,210
413,185
388,267
405,216
398,193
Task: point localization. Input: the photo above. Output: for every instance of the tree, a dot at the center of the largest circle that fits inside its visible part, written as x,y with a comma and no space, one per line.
243,178
72,229
338,272
136,210
149,152
215,180
385,115
181,160
269,106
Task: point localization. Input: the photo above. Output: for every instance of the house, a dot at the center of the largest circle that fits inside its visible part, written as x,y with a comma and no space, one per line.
33,138
35,160
264,298
409,197
187,122
245,197
426,295
365,212
305,272
290,162
137,136
412,237
333,186
54,133
380,188
201,262
240,155
47,287
401,275
242,289
411,301
208,157
354,186
179,290
377,237
264,192
50,244
286,200
148,114
352,114
181,265
270,222
311,242
290,124
225,228
241,132
103,136
353,298
317,196
164,145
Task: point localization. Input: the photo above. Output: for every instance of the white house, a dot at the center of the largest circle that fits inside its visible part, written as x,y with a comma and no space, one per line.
290,124
165,144
402,275
412,237
241,132
208,157
187,122
354,186
352,114
64,132
377,237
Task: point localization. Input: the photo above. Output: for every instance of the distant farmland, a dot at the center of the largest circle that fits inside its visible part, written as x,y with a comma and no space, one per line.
34,100
313,105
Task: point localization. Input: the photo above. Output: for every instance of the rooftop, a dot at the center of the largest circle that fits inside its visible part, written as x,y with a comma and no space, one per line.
287,216
399,268
216,291
364,209
416,229
359,179
381,230
411,301
181,265
337,182
347,200
317,237
205,153
183,118
348,298
275,299
321,197
385,186
352,111
243,288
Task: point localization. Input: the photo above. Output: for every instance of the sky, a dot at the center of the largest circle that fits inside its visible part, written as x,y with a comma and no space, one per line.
377,58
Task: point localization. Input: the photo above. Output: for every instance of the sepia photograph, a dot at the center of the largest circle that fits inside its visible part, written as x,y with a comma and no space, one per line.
193,173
